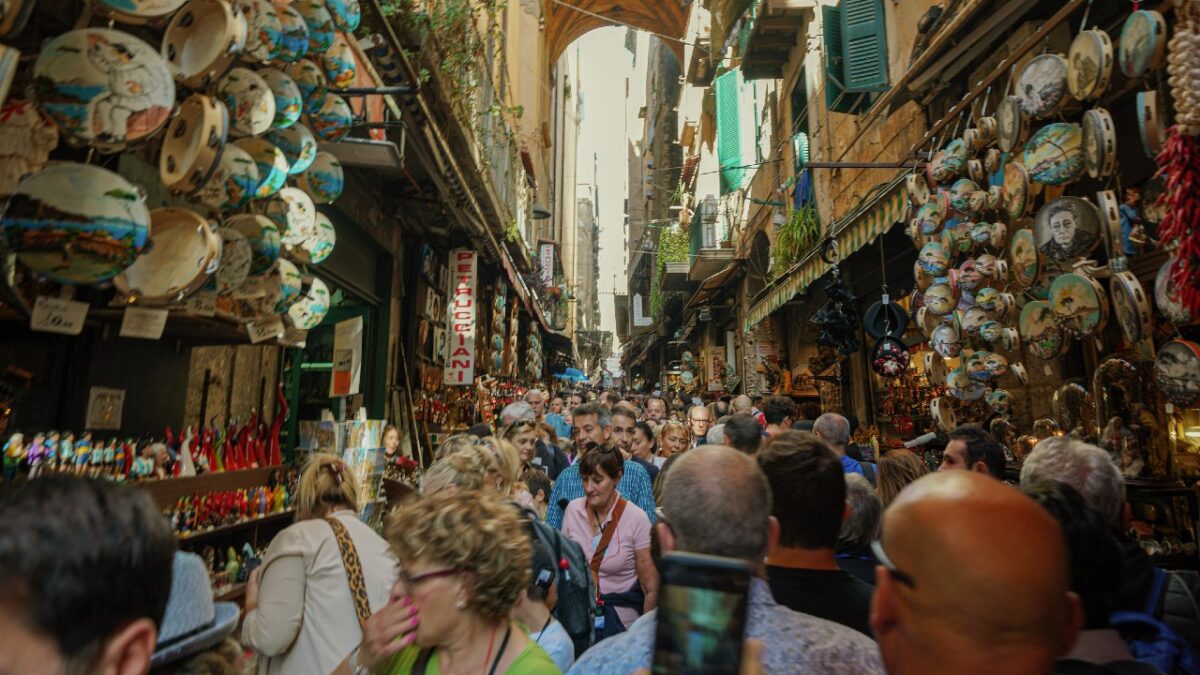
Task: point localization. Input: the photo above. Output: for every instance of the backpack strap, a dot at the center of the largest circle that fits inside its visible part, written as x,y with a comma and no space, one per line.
422,662
606,539
354,573
1157,589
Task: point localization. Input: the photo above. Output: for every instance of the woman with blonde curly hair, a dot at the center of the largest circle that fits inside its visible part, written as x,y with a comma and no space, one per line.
467,470
464,560
897,469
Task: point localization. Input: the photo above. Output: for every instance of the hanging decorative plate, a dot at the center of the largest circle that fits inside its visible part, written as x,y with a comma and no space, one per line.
1177,372
104,87
981,233
995,196
312,83
250,101
1042,85
1168,298
932,214
918,188
946,341
975,171
1041,333
1067,229
923,280
890,358
339,64
1012,124
1079,304
333,121
321,31
1000,401
1149,123
76,223
298,145
942,410
963,387
232,183
933,258
282,284
988,298
1099,143
940,299
324,180
288,101
16,14
991,160
133,12
1017,199
236,258
1023,253
1110,216
264,40
935,369
191,149
1143,38
263,237
1091,64
295,34
310,310
992,332
326,239
181,259
976,366
346,14
294,213
1132,307
999,235
272,166
1054,156
973,319
26,140
960,194
952,162
969,276
202,40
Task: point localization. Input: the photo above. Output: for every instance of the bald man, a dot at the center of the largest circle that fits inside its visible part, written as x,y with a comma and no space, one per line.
973,578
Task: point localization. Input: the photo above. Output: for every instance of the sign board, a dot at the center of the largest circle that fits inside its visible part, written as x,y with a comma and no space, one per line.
460,360
347,358
261,331
55,315
104,408
202,303
144,323
546,257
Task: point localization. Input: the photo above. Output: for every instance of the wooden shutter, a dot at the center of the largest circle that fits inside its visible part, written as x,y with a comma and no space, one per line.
728,89
831,27
864,64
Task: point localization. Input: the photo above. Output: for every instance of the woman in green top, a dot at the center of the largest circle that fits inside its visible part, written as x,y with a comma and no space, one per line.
464,560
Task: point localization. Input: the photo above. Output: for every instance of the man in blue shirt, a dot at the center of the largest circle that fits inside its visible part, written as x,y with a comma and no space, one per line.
593,428
555,418
835,429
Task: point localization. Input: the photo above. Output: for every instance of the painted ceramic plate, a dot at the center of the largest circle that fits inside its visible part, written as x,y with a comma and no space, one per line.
326,240
933,259
298,145
346,14
295,34
236,258
1168,298
969,276
1042,85
178,263
333,121
131,11
76,223
192,146
263,237
960,194
202,40
294,214
1023,253
104,87
1000,402
918,188
282,285
1091,64
312,83
1067,229
272,166
942,410
339,65
963,387
288,101
1143,37
932,215
951,162
1016,198
249,100
1149,122
1099,143
310,310
233,182
1079,304
1054,156
321,31
264,41
935,369
940,299
973,319
946,341
1132,307
1012,124
1040,332
1177,372
324,180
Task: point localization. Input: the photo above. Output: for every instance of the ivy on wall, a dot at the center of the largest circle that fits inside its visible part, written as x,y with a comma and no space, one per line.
673,246
795,238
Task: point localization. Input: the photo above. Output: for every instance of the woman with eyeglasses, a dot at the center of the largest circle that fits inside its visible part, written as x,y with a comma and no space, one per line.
302,613
464,560
615,537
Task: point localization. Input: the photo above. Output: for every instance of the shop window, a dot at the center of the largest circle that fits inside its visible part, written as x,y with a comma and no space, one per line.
855,54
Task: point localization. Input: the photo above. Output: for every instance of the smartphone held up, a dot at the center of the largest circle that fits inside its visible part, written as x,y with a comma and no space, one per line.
701,622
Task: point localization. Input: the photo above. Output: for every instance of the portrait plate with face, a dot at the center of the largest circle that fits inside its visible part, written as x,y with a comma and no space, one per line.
1177,372
1067,229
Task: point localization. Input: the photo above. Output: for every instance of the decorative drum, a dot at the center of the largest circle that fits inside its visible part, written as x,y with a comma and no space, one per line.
17,12
233,182
312,84
1110,215
1079,304
918,188
940,299
1012,124
942,409
288,101
346,14
282,285
192,147
963,387
333,121
294,214
1041,333
1149,122
1023,253
1067,229
1168,298
1090,64
236,258
263,237
932,215
184,255
321,32
960,194
1042,85
1017,197
264,40
1054,156
1143,39
933,259
271,164
202,40
324,180
295,34
298,145
1099,143
311,308
339,64
1132,307
250,101
1177,372
946,341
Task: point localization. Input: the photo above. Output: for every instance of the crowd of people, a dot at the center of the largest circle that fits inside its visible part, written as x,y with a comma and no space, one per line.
534,547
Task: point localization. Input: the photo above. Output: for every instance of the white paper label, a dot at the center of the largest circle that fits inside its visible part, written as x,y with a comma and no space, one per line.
294,337
140,322
203,303
261,331
55,315
1046,369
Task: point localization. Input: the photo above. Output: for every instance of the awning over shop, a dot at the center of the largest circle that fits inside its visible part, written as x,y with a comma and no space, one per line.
871,219
715,284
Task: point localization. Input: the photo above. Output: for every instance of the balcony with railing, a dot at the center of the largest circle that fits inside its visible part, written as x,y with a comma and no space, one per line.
771,30
709,250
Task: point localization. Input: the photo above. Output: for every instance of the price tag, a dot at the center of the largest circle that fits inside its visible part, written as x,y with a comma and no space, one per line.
203,303
1046,369
261,331
294,337
251,288
55,315
144,323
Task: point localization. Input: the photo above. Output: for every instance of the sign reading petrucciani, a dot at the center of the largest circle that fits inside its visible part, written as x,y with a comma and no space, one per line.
460,362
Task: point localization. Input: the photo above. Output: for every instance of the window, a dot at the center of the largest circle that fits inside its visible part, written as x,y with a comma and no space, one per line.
855,54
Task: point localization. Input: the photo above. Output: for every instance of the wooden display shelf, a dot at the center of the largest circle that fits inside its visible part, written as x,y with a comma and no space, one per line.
166,491
234,527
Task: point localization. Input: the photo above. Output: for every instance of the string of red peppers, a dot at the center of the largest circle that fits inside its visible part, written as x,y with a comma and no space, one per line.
1179,162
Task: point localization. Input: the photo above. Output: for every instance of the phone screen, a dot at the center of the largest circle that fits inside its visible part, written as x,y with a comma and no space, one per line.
701,614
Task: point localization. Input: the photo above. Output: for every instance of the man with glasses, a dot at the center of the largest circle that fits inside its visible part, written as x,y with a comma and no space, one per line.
809,490
699,420
594,428
973,578
716,501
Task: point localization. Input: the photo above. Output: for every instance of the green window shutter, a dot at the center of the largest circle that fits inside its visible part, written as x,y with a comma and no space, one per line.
831,25
729,135
864,64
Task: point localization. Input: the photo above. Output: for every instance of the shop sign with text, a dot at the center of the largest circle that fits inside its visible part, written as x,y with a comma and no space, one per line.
460,361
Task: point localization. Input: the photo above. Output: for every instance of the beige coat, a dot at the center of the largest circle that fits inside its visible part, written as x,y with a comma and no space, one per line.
305,622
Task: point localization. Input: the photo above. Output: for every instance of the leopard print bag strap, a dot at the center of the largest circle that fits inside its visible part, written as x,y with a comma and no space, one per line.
354,573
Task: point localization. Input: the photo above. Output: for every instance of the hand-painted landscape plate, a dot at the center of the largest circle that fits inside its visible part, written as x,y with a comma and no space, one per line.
963,387
283,284
1054,156
180,261
76,223
321,31
1023,252
310,310
960,194
333,121
946,341
1099,143
932,214
312,83
233,182
294,213
1143,38
298,145
1079,304
250,101
104,87
1042,85
1132,307
272,166
1167,297
288,101
314,248
264,41
940,299
324,180
263,237
339,64
1177,372
236,259
295,34
347,14
133,11
1016,197
1067,229
1091,64
1041,333
1012,124
933,258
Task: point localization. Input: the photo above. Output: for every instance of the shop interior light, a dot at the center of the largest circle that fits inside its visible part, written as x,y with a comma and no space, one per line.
1192,432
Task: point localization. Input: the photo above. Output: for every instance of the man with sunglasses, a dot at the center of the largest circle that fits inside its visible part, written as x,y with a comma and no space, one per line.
973,578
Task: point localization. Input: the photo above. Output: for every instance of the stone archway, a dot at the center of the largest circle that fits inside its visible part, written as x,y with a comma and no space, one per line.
564,24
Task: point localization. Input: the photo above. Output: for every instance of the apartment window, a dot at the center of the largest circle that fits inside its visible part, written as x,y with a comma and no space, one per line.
855,45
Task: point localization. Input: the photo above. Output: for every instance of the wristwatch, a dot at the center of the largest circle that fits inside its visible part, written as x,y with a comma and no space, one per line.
357,668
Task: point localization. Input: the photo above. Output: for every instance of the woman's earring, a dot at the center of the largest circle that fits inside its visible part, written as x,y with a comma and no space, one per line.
461,604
